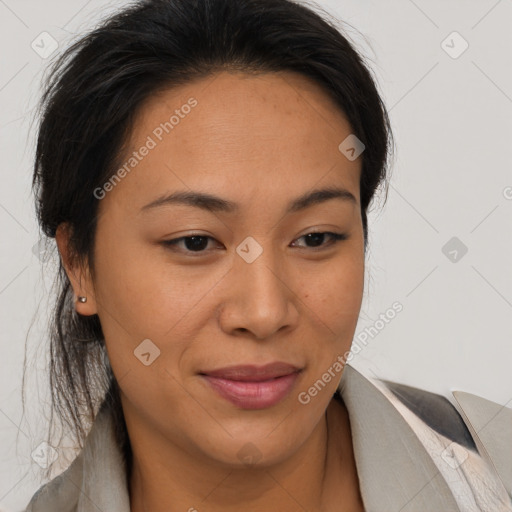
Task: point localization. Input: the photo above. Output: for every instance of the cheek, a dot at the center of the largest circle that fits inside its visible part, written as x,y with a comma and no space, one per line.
334,306
335,293
140,289
345,299
149,298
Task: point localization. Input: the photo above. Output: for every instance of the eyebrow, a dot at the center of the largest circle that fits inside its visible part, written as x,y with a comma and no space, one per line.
214,204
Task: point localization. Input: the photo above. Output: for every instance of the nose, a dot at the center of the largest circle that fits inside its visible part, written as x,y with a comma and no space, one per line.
261,299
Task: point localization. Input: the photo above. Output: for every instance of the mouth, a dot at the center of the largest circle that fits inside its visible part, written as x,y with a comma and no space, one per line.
253,387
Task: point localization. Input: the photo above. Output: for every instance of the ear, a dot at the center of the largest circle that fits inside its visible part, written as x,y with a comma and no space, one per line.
78,273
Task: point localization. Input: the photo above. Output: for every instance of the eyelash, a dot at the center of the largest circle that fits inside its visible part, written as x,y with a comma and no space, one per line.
335,238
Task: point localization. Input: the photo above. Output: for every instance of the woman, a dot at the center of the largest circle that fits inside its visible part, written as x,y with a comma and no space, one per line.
215,373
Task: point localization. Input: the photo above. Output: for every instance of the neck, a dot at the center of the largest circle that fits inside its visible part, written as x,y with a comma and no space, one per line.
192,484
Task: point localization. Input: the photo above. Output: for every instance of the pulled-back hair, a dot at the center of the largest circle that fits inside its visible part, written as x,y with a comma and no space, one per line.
91,98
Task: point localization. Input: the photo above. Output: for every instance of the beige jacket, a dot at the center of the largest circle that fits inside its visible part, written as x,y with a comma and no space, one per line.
414,453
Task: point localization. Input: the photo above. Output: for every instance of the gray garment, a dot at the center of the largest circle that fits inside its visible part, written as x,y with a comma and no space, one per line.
414,453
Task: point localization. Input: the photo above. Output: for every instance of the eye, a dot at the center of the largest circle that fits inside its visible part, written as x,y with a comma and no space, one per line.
198,243
193,243
317,237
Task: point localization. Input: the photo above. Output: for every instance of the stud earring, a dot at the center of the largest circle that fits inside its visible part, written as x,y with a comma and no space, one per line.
82,299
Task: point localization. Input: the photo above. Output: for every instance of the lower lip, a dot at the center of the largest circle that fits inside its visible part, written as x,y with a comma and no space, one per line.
253,395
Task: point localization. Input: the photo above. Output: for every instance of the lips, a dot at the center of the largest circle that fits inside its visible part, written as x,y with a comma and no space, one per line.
253,387
253,373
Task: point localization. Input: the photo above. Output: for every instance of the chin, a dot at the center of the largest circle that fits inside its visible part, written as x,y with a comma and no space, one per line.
254,450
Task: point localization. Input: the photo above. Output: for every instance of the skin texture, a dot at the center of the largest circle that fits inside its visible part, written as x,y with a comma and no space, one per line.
261,141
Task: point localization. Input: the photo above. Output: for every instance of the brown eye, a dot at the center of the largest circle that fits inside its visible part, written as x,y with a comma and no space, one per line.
192,244
316,238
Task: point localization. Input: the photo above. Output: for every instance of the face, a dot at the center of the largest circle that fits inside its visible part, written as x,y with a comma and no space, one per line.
253,286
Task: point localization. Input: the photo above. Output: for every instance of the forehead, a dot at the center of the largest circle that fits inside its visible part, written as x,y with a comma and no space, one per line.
249,101
242,133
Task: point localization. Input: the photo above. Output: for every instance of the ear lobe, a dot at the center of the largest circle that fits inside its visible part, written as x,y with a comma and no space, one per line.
78,273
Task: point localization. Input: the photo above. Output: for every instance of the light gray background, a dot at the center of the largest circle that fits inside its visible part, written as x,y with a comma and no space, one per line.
452,177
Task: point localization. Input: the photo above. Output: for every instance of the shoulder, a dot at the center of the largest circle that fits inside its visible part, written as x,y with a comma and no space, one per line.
101,460
408,437
477,424
60,493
